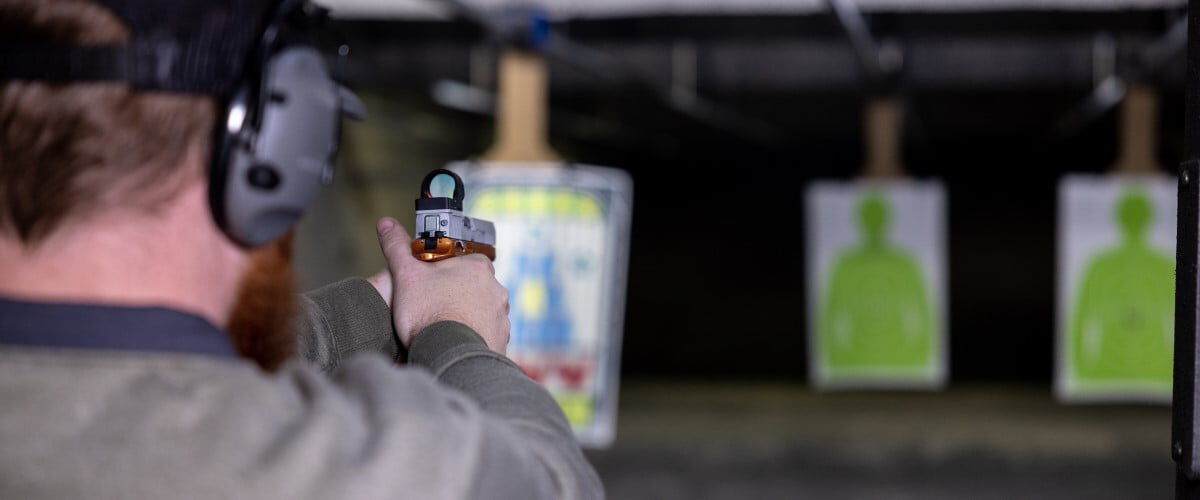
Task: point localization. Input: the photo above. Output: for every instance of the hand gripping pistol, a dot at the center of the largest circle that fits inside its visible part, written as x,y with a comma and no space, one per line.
443,231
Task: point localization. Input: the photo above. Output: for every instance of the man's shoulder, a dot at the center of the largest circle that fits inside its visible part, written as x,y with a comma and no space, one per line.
178,420
159,379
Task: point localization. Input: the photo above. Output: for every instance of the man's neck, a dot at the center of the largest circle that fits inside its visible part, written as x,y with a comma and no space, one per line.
173,258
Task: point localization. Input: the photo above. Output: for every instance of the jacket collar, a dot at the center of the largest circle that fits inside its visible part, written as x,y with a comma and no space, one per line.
91,326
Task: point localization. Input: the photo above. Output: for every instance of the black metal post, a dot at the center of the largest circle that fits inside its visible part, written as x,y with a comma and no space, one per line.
1184,447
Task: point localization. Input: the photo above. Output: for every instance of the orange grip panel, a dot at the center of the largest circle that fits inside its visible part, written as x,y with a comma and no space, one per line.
449,247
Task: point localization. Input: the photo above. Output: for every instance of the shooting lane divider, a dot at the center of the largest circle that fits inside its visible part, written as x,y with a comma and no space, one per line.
1115,273
562,245
876,269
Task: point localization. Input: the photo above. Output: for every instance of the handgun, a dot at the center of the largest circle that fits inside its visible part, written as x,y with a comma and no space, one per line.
443,231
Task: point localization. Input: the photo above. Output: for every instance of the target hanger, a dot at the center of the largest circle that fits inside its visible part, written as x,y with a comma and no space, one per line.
1138,130
521,133
883,135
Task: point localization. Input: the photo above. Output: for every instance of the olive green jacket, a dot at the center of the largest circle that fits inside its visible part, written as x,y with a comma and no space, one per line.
458,421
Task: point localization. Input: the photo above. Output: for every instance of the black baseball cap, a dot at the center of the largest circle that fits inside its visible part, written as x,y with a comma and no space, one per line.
187,46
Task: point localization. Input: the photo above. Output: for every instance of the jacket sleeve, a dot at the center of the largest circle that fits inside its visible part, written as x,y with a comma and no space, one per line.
528,449
342,319
529,431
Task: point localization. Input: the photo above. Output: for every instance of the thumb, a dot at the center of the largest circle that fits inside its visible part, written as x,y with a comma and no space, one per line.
395,243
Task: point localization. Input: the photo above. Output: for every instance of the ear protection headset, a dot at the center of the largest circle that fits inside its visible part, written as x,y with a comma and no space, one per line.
279,121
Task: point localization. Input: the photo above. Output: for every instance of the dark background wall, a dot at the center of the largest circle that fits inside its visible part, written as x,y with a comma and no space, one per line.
705,301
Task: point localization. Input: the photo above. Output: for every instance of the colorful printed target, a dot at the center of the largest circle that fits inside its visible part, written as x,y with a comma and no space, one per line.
562,236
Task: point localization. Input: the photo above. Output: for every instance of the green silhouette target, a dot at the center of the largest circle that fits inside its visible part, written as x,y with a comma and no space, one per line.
876,284
1117,288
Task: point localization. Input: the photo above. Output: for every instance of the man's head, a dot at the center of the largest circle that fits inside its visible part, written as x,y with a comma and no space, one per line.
104,193
70,151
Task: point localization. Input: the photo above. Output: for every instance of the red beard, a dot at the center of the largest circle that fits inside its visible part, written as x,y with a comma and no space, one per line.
262,325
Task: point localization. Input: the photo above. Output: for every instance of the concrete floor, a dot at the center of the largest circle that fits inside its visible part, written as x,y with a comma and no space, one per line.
754,440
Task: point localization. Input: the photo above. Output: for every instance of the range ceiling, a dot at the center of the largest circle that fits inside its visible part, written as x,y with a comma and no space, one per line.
597,9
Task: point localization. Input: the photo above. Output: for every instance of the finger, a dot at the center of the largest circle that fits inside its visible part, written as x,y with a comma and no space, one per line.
395,243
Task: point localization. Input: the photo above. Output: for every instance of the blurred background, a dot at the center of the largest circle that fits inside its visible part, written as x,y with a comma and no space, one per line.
721,110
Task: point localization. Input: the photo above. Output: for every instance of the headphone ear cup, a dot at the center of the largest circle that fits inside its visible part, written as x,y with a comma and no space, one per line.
228,137
276,163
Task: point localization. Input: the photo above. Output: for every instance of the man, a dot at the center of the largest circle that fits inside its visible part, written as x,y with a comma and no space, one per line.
116,281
